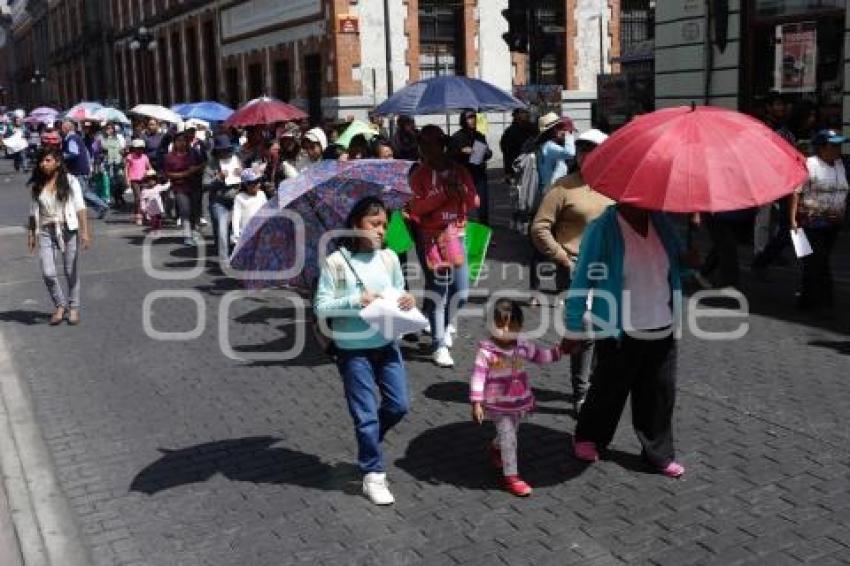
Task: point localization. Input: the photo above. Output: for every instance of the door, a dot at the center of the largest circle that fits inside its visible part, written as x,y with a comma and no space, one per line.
313,71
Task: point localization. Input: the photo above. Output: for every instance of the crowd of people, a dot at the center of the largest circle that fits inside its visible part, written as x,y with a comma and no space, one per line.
167,172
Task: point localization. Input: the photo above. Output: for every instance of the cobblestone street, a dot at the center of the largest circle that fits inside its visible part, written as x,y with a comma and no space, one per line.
171,453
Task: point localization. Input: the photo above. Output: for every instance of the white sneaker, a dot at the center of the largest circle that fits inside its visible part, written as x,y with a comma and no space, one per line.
443,358
203,221
448,339
450,329
376,490
179,222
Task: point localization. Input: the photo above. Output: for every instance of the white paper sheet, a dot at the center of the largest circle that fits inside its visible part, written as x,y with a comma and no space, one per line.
802,247
386,318
479,151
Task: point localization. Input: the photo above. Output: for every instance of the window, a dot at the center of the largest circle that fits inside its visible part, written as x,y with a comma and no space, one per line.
210,61
440,39
281,81
255,80
541,32
193,63
165,62
231,79
177,62
795,47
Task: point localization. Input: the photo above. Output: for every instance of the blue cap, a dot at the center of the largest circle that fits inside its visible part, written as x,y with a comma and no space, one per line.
824,137
250,176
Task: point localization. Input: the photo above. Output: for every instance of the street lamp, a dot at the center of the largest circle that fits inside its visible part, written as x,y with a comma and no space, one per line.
143,40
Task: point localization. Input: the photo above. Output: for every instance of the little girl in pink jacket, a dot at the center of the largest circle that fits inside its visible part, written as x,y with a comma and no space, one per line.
499,389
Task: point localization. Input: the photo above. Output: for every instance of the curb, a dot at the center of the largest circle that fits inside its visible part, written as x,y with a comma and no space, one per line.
39,523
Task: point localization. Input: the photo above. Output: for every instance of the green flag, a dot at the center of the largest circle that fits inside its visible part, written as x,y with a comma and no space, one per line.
477,242
398,236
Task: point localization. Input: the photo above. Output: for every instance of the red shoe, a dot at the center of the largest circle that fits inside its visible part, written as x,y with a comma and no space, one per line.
585,450
496,457
516,486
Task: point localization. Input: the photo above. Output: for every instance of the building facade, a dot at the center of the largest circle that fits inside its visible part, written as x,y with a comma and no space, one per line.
735,53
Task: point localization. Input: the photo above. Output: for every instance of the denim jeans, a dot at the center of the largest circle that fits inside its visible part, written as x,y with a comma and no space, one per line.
48,245
365,375
90,196
449,290
220,211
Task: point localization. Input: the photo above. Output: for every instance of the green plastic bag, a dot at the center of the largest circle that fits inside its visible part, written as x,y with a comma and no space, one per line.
398,237
477,241
101,186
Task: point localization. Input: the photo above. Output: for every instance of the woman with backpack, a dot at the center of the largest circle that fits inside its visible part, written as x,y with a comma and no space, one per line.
353,276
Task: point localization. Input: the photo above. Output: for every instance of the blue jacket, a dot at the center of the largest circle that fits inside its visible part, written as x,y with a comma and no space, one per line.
76,155
600,267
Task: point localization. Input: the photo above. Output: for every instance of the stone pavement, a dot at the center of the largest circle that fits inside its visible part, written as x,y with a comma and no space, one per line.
172,453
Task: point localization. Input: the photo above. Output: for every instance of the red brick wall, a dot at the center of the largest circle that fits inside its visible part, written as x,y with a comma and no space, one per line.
345,51
411,29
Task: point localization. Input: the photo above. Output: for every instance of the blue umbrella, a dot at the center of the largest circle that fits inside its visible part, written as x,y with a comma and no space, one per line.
445,94
209,111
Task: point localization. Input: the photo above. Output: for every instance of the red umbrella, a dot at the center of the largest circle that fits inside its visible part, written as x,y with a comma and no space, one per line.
695,159
264,111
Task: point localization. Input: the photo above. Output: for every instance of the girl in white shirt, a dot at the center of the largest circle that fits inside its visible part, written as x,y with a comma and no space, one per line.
58,222
247,203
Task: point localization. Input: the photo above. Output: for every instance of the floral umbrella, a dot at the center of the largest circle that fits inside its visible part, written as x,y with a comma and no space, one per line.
321,197
83,111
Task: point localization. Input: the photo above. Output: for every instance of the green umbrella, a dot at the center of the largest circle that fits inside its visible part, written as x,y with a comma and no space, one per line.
356,127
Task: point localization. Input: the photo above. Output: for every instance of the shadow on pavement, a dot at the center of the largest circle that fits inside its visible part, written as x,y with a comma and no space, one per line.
310,355
250,459
841,347
543,456
24,317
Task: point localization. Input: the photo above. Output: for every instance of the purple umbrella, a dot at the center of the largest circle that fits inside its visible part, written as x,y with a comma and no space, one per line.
42,114
321,197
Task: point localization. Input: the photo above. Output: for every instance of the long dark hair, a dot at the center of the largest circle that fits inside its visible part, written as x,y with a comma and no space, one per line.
367,206
39,179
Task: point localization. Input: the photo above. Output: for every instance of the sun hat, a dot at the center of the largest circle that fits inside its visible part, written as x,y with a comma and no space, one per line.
548,121
250,176
317,135
137,143
594,136
831,137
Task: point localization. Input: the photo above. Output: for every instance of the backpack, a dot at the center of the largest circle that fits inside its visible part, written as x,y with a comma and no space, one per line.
525,190
337,264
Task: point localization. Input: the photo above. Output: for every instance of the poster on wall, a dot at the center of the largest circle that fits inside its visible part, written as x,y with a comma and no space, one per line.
796,57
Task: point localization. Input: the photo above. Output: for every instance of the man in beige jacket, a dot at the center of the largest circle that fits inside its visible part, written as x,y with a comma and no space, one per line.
566,210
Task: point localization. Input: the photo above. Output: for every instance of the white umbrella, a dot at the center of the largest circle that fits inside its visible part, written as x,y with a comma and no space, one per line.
157,112
111,115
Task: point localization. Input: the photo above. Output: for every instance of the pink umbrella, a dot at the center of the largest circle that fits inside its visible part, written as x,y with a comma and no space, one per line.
83,111
264,111
695,159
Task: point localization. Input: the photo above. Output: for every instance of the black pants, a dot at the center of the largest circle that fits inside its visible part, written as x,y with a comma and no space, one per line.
817,274
646,369
725,235
778,241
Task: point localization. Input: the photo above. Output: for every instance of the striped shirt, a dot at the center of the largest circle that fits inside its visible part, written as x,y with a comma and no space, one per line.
499,380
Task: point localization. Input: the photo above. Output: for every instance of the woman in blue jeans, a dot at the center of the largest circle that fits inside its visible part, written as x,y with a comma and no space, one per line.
359,272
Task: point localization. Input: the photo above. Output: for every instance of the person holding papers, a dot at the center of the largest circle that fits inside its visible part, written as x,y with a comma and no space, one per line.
354,276
818,208
468,148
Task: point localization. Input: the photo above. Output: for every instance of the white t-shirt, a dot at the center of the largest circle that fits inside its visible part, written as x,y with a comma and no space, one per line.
823,197
244,207
646,285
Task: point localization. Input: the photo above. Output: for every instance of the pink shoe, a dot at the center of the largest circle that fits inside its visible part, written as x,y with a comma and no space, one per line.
515,486
585,450
673,470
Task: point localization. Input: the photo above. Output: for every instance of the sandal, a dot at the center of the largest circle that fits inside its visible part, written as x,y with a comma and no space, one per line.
74,317
58,316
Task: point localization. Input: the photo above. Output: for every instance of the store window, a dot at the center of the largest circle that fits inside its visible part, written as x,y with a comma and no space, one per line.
440,38
256,87
796,48
282,86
